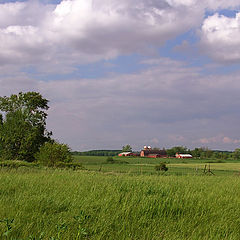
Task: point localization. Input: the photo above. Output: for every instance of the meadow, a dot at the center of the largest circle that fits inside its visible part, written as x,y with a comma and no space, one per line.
138,165
126,199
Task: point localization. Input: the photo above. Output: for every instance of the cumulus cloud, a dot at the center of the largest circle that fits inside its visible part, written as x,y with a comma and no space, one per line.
30,13
75,32
221,4
84,31
219,139
220,37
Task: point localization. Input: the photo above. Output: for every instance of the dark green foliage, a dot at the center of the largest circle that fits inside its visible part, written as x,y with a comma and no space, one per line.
201,153
31,104
8,226
16,164
110,160
236,154
98,153
178,149
19,139
51,153
19,164
127,148
161,167
23,130
196,153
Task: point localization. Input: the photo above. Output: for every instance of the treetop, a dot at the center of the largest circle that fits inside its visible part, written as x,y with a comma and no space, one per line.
33,101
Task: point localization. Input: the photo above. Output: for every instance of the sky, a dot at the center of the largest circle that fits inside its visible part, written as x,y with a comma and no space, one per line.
162,73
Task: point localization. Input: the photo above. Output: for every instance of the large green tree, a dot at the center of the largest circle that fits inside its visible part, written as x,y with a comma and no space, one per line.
127,148
23,125
236,153
178,149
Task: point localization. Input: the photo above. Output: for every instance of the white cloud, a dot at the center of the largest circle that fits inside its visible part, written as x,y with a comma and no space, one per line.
221,4
219,139
23,13
220,37
82,31
230,140
85,31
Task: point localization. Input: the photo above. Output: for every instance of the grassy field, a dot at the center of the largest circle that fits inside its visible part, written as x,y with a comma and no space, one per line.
134,165
121,201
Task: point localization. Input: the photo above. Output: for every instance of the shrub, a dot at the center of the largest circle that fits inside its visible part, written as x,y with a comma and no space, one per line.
161,167
14,164
51,153
110,160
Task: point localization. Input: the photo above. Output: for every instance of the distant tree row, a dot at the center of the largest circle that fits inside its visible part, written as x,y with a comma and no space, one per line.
111,153
203,153
98,153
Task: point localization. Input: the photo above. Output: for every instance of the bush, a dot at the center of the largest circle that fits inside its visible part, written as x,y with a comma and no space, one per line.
110,160
14,164
161,167
53,153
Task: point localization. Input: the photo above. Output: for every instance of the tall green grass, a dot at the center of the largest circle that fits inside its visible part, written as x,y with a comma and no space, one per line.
62,204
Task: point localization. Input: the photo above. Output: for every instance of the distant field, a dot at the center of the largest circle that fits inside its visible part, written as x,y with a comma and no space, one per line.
213,166
54,204
134,165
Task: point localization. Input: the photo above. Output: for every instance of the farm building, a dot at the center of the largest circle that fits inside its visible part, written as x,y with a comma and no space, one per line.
125,154
180,155
152,153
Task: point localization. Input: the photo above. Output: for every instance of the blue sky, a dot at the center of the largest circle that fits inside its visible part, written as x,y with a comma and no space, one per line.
159,72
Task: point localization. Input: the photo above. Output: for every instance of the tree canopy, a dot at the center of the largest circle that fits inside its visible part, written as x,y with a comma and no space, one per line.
31,104
127,148
51,153
23,125
236,153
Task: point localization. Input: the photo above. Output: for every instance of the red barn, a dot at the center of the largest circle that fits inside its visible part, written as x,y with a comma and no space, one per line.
152,153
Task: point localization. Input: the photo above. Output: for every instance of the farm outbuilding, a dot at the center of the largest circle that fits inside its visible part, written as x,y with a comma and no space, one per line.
152,153
181,155
125,154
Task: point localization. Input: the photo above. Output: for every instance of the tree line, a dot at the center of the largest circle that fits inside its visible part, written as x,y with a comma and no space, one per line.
98,153
204,152
200,153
